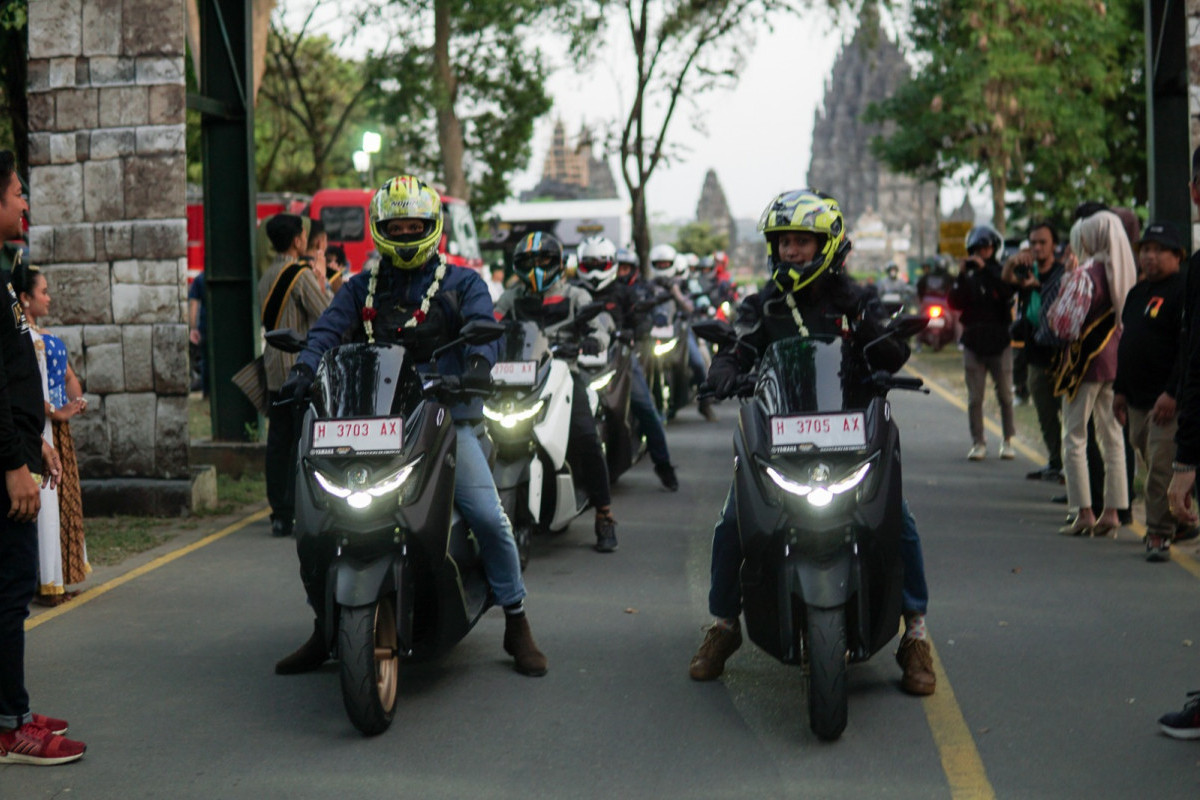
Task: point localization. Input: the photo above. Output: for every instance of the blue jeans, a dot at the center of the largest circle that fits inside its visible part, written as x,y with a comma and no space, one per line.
647,416
18,581
477,500
725,592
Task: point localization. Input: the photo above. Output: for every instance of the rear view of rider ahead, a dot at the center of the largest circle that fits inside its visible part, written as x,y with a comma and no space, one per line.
414,293
808,290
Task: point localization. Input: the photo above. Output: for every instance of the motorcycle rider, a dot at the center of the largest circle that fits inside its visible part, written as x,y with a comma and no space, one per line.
412,291
717,288
669,271
891,282
542,296
808,292
598,274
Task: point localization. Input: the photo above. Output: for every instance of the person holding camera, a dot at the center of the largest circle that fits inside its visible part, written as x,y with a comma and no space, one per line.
1031,270
984,301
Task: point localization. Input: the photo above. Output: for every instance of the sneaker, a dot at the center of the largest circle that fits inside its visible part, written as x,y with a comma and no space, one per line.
30,744
606,534
977,452
916,659
1185,723
1158,547
720,642
1046,473
666,474
1007,452
56,726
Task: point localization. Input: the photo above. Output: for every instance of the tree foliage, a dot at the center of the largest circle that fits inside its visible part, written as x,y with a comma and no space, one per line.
14,109
699,238
1037,96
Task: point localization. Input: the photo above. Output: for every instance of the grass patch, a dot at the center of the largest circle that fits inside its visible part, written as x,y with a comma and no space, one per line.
111,540
199,416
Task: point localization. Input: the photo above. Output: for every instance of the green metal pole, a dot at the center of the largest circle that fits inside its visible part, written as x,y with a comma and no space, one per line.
1168,148
226,68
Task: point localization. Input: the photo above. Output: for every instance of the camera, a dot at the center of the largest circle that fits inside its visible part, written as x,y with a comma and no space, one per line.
1023,271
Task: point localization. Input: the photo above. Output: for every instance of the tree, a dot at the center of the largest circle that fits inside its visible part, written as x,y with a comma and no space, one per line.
14,108
698,238
1020,92
681,48
466,77
309,100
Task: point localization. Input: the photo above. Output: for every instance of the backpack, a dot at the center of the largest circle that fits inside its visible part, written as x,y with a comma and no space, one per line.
1066,313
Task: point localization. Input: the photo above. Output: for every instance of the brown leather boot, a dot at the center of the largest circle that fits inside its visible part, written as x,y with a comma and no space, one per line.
718,645
519,643
916,659
311,655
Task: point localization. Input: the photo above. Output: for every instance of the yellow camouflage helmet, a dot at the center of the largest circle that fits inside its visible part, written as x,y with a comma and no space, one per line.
810,211
406,197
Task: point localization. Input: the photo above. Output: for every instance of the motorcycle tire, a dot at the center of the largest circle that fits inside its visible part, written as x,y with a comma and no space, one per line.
825,637
370,664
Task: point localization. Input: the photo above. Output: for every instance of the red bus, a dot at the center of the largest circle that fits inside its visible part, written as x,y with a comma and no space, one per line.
268,203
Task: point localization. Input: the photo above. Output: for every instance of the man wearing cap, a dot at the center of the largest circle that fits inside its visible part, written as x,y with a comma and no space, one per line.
1147,379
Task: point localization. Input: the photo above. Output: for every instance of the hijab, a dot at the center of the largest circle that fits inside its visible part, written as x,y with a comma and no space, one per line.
1102,238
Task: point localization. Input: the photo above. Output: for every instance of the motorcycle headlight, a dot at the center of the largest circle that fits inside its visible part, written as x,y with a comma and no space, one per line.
598,384
819,493
662,348
361,494
511,419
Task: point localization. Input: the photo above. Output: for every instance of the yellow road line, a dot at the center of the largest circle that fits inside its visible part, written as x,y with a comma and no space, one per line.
960,758
92,594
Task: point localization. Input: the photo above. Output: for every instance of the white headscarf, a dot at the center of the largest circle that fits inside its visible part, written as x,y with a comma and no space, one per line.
1102,238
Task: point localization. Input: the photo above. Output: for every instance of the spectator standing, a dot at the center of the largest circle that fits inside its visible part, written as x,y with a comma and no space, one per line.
292,297
1031,270
62,553
25,737
984,301
1148,376
1088,368
314,253
335,266
1185,723
197,335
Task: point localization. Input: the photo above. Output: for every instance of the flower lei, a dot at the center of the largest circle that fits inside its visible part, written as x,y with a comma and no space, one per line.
790,299
369,313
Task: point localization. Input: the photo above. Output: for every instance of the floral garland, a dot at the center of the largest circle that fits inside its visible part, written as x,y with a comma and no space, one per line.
369,313
791,304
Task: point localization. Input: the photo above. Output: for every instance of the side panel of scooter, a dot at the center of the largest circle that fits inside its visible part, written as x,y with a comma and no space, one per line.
552,431
536,476
566,508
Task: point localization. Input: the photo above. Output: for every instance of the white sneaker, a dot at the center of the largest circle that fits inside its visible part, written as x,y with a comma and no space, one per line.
1007,451
977,452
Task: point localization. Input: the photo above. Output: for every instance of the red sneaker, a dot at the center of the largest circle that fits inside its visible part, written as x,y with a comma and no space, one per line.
56,726
30,744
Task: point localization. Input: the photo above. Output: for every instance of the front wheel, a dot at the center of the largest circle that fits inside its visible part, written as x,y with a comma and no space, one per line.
370,664
825,640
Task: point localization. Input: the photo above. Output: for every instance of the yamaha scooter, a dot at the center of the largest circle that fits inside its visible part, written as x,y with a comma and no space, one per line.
375,483
817,486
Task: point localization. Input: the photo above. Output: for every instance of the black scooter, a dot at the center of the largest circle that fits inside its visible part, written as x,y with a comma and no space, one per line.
376,483
818,494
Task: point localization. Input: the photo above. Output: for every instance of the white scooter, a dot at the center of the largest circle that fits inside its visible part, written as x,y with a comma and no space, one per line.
529,419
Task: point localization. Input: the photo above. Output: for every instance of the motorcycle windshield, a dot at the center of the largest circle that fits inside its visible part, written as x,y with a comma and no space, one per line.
524,341
365,380
802,375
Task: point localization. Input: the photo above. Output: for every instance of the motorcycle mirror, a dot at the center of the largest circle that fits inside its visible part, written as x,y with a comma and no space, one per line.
285,339
715,331
482,331
908,325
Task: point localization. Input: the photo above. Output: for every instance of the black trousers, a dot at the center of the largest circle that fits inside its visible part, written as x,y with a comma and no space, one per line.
584,453
283,434
18,581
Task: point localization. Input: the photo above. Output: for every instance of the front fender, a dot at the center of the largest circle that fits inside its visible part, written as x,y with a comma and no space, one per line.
822,584
358,584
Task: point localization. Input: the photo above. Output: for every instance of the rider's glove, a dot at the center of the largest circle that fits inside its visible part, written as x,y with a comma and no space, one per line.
298,382
590,346
724,384
478,374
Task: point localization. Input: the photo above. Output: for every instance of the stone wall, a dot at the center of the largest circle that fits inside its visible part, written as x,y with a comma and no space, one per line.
107,158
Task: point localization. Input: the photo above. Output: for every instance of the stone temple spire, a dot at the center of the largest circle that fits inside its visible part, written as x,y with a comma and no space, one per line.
713,208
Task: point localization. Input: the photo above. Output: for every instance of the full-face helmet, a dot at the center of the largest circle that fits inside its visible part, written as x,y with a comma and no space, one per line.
406,197
984,236
597,262
538,260
662,262
627,266
808,211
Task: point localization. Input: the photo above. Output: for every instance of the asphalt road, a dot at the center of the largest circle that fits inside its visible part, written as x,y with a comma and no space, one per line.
1057,654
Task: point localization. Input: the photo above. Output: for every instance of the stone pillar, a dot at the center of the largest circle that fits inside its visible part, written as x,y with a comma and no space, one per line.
107,158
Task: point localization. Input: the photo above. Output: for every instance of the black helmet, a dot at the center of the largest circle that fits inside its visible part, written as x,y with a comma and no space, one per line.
538,260
984,236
